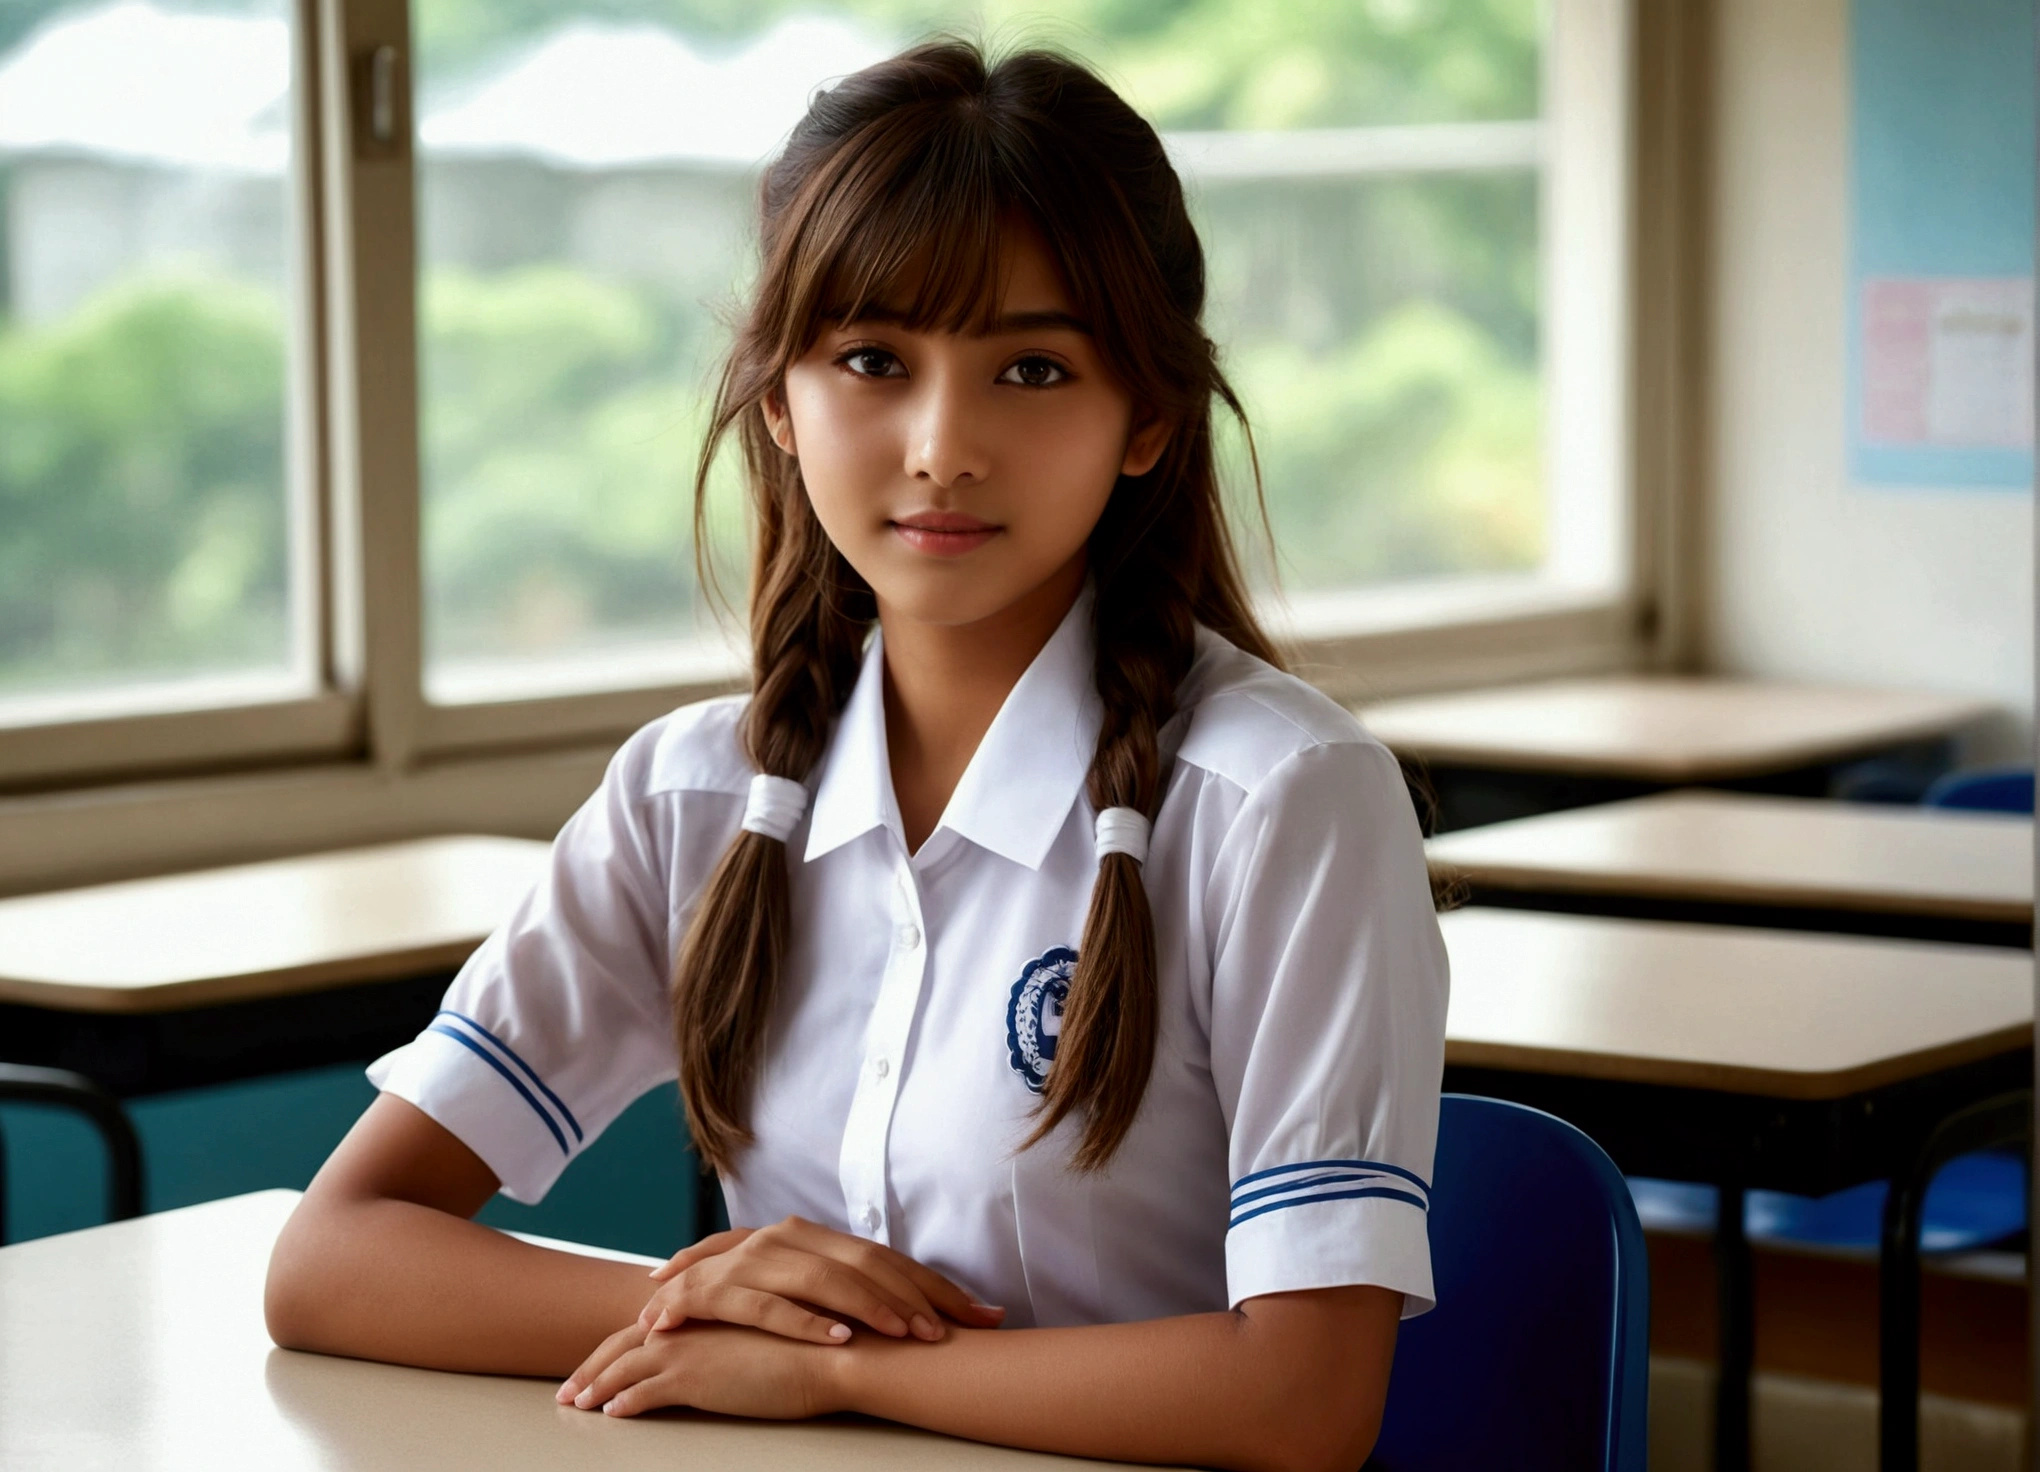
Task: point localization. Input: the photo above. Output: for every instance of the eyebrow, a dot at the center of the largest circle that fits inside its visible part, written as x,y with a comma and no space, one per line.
1005,326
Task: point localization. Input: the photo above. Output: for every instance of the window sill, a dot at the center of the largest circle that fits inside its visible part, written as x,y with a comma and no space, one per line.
1356,647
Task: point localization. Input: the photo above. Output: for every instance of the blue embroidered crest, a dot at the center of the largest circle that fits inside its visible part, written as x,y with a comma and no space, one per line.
1034,1014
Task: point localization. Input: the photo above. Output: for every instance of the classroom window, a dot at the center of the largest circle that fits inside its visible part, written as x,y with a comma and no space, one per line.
1366,177
153,529
218,547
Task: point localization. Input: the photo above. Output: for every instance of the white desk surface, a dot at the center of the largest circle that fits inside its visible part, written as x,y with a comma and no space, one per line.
1661,728
1739,848
140,1346
1782,1013
263,930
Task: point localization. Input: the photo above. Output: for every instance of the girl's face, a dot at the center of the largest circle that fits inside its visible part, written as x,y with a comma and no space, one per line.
960,473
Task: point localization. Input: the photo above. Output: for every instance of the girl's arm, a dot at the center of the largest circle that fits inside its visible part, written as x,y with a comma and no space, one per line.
380,1261
1291,1382
1294,1381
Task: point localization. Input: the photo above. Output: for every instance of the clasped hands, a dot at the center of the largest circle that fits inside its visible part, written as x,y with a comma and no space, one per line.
740,1321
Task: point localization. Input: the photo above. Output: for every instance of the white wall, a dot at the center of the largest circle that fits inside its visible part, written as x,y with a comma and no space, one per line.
1809,577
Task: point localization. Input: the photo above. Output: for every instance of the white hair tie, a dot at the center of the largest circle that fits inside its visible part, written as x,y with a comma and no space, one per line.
1124,831
774,806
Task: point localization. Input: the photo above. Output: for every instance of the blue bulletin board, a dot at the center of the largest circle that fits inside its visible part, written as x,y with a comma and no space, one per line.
1942,243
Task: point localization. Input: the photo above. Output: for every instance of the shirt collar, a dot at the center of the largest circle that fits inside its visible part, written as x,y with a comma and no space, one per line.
1016,793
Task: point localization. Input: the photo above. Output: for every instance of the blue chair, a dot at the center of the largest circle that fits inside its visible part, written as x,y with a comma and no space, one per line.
1537,1355
1975,1201
1984,790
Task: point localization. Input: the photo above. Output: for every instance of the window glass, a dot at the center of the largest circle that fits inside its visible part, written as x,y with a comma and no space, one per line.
1364,173
145,278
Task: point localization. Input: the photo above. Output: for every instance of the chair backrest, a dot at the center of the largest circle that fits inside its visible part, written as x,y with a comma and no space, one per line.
62,1089
1988,790
1537,1355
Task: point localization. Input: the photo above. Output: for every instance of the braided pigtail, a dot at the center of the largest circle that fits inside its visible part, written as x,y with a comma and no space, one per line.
809,614
1144,646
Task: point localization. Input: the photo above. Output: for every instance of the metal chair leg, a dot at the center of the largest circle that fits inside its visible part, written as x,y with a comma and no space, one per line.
2002,1120
1735,1313
22,1084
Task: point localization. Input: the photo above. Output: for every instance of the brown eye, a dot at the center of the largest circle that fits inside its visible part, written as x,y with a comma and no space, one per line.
1035,373
871,363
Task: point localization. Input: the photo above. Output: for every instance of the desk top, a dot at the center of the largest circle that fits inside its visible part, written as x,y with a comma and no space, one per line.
1786,851
263,930
141,1345
1778,1013
1662,728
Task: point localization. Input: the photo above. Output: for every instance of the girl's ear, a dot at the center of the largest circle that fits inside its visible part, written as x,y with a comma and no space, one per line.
1144,449
778,422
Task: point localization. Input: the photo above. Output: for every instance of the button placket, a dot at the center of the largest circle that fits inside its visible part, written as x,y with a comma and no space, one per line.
862,1168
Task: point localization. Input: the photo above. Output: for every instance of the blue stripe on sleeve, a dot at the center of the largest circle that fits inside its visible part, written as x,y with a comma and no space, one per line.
1380,1165
1283,1188
1389,1191
530,1072
516,1083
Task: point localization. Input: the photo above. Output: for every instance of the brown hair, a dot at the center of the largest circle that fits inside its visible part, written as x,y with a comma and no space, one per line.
892,191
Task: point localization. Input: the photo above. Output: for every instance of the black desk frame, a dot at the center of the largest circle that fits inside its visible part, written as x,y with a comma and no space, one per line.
1455,795
1822,919
130,1054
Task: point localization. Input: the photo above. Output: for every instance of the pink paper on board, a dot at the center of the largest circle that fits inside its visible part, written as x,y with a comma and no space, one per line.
1948,361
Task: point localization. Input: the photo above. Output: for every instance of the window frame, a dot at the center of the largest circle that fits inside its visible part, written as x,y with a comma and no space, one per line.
159,726
370,757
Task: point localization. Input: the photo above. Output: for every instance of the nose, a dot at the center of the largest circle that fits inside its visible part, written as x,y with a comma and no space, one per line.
945,440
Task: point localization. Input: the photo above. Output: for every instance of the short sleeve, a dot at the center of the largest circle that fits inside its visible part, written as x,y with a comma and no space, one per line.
1329,988
560,1019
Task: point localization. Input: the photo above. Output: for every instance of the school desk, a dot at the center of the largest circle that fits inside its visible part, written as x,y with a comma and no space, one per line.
220,974
1738,858
1509,751
141,1345
1752,1059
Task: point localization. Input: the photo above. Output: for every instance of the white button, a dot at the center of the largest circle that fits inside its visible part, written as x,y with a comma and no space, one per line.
909,937
881,1066
870,1218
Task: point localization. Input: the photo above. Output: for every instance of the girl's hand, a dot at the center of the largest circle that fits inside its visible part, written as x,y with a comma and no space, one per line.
712,1367
790,1278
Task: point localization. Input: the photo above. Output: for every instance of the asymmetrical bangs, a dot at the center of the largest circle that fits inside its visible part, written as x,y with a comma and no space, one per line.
910,224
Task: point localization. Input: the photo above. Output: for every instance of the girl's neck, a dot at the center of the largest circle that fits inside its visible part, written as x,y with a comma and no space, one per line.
945,683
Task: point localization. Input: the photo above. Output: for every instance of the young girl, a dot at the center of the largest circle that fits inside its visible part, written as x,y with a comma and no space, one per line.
1037,955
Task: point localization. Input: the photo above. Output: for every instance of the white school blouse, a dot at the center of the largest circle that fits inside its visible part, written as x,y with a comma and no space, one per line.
1286,1136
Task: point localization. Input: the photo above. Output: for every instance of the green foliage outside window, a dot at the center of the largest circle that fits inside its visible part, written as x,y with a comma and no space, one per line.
141,528
143,520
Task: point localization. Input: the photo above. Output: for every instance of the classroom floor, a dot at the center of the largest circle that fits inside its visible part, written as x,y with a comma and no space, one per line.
1815,1398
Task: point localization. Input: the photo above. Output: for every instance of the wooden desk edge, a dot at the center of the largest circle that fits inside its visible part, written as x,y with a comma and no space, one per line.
1731,1079
183,996
1762,895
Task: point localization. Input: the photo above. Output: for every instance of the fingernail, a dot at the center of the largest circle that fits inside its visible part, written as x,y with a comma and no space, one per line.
839,1332
925,1330
565,1393
585,1400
